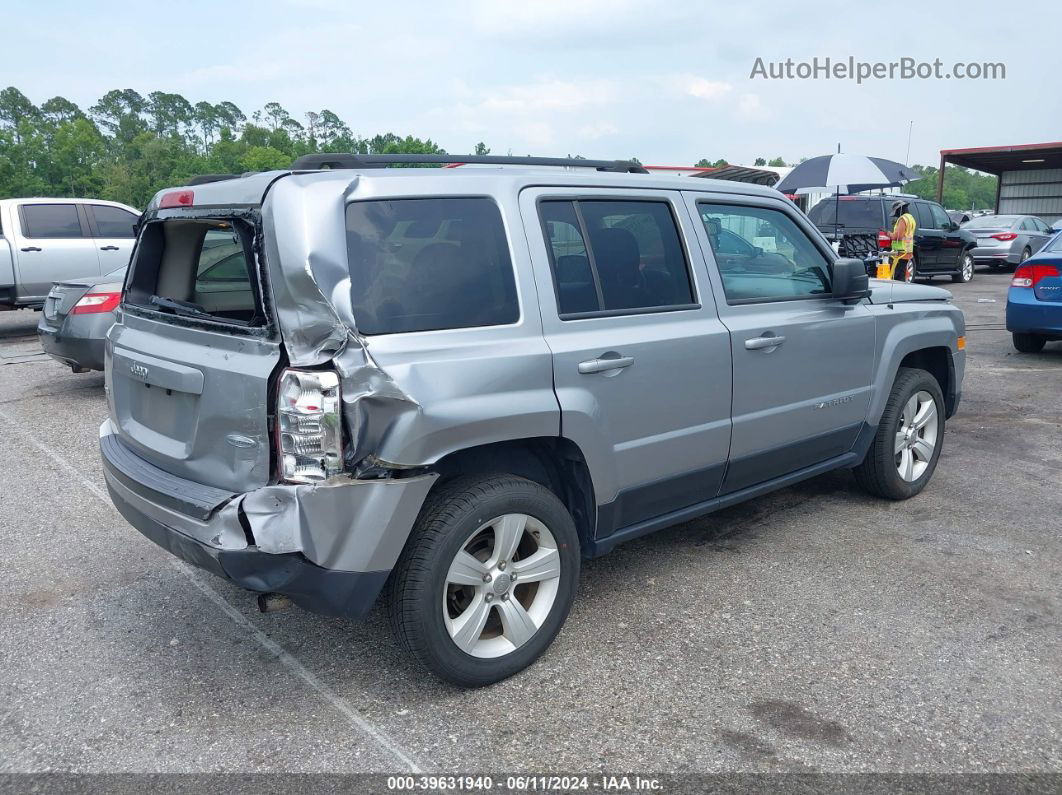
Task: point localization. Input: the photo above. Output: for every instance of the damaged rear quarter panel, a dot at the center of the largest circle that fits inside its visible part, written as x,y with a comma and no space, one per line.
411,398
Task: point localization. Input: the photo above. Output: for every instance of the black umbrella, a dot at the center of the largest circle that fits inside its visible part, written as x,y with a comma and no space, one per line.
842,173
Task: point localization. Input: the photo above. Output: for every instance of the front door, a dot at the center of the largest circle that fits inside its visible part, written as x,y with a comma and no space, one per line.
803,361
952,243
929,237
642,367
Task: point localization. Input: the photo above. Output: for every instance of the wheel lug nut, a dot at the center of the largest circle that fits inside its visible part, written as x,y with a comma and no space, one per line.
502,565
487,577
505,596
490,597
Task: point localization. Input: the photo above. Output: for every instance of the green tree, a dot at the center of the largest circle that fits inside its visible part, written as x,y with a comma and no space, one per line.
481,149
16,110
760,162
59,109
777,162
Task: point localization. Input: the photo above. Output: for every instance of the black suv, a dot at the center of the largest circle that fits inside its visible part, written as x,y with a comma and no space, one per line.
941,247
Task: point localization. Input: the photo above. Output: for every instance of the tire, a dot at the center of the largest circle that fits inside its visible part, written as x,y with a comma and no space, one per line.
879,472
469,515
1025,254
910,269
1029,343
966,269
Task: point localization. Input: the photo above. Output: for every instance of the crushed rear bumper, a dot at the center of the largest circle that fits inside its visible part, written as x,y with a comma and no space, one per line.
328,548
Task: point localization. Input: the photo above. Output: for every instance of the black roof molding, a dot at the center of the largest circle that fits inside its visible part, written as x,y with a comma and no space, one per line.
204,179
340,160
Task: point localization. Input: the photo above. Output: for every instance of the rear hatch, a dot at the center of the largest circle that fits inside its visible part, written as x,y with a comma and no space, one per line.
192,354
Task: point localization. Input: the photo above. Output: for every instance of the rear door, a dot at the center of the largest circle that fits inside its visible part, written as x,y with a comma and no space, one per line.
803,361
114,232
54,245
188,373
641,363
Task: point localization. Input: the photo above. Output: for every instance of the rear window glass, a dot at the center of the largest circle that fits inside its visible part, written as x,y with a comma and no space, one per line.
991,221
429,264
114,221
197,269
50,221
862,213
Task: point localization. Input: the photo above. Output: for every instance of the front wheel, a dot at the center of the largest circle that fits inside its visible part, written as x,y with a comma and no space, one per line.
966,269
486,580
1029,343
904,453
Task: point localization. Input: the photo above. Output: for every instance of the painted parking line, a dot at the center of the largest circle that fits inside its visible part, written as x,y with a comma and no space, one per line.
337,702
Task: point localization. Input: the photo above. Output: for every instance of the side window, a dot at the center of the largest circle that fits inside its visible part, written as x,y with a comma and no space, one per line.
114,221
50,221
923,217
940,218
615,256
221,260
775,260
429,264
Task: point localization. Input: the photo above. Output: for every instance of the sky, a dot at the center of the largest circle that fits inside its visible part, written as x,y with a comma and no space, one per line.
668,83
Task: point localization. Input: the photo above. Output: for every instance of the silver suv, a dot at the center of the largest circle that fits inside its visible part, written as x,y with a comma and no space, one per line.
452,384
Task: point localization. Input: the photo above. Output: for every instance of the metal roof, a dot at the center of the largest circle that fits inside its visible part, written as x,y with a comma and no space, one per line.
997,159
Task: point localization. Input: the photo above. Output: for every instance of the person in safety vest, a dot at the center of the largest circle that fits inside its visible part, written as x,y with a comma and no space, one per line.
902,236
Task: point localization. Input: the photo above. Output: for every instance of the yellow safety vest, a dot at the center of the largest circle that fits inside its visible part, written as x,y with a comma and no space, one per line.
907,244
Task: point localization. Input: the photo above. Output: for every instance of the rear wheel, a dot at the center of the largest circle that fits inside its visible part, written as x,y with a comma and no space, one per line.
910,267
904,453
486,580
966,269
1029,343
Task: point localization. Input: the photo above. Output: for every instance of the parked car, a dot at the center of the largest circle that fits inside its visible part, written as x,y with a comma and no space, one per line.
452,384
43,241
76,318
941,247
1034,300
1007,239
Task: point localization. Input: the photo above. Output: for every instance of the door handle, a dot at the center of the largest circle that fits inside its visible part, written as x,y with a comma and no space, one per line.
604,365
109,248
30,248
765,343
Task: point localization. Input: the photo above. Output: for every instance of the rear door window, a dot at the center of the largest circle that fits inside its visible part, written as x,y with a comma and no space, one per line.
429,264
923,217
113,221
50,221
615,256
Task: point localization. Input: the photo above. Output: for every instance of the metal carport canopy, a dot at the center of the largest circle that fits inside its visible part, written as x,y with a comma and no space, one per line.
997,159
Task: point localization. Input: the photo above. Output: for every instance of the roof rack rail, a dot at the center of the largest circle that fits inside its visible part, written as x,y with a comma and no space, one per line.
204,179
338,160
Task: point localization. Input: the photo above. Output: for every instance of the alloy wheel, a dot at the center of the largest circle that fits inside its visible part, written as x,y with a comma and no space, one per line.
967,267
909,270
916,438
501,585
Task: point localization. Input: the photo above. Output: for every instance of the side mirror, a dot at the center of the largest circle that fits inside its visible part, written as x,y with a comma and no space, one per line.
850,280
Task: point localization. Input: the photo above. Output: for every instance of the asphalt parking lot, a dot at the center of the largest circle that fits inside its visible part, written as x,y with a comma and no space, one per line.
816,629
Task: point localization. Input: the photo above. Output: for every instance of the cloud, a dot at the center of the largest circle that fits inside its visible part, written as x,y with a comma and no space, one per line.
597,129
549,95
702,88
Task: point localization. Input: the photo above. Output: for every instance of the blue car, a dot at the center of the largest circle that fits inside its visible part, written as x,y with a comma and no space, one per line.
1034,301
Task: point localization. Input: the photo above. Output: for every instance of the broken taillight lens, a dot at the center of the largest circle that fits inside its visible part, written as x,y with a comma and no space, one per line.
309,426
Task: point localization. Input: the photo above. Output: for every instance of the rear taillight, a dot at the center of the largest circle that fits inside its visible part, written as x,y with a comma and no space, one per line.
309,426
96,302
884,241
1004,236
1029,275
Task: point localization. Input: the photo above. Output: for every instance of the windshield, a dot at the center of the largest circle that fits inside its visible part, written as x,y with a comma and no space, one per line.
992,222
